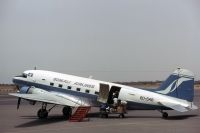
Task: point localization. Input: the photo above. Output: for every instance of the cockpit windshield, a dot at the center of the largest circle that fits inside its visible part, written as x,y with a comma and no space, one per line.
24,75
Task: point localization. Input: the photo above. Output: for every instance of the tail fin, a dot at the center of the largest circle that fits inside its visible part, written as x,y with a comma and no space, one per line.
179,84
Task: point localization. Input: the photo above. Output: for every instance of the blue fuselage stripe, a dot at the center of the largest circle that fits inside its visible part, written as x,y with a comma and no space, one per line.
91,97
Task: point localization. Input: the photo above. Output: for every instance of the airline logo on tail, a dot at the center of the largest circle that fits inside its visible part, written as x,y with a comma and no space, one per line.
172,87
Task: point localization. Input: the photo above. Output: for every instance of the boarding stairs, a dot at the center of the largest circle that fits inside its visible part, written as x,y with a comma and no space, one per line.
80,114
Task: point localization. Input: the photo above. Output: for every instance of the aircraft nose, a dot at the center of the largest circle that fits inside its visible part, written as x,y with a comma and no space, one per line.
15,79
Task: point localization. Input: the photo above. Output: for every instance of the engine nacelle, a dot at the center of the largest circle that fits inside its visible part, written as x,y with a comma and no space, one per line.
33,90
24,89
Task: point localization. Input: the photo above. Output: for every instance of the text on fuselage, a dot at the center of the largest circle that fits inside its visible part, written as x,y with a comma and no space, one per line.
147,99
61,80
84,85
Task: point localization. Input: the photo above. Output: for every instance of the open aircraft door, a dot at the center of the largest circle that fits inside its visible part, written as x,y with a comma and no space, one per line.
103,93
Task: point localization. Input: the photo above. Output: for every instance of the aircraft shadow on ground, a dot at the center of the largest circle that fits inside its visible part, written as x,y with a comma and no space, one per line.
116,116
180,117
37,122
54,119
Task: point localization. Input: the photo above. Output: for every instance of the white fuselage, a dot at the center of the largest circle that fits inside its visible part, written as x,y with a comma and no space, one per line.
88,89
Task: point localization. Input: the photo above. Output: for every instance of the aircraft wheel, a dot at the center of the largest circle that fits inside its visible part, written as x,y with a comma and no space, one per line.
67,111
121,116
101,115
104,115
165,115
42,113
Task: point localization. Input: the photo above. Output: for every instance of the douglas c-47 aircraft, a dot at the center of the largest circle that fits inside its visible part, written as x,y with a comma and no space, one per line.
176,93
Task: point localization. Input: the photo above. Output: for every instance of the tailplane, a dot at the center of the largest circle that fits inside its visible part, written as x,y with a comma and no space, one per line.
179,84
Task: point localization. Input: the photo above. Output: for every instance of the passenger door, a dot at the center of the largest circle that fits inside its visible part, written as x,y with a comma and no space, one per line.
103,93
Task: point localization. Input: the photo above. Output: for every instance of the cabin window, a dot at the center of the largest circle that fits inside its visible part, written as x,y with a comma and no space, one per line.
87,91
43,79
69,87
60,85
51,84
78,89
97,93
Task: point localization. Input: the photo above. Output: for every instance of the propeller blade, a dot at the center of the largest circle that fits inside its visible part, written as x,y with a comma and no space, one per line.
18,102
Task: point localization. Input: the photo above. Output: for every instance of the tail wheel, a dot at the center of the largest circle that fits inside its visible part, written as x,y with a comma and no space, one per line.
164,115
42,113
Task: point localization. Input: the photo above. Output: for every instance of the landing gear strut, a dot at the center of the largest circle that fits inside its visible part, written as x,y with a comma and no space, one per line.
164,114
67,112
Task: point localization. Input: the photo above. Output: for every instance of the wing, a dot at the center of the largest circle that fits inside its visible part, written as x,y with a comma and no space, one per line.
174,106
53,98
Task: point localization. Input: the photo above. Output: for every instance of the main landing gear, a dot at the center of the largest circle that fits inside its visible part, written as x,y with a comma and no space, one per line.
43,112
164,114
67,112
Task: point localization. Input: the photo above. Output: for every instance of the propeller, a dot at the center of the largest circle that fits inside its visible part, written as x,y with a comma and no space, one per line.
18,102
19,99
22,90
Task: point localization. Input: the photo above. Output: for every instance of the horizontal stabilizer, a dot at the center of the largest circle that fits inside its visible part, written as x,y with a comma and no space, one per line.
173,106
193,107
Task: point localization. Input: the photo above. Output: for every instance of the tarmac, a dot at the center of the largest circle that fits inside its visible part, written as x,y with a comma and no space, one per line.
25,120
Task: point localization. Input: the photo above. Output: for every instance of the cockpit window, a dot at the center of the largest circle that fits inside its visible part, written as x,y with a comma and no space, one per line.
24,75
30,74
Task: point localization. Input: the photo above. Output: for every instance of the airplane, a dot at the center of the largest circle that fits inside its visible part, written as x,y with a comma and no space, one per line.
46,87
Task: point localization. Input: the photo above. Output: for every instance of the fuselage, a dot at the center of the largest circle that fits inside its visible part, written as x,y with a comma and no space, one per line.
87,89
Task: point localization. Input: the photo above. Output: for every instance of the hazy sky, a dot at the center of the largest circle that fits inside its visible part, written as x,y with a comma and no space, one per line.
112,40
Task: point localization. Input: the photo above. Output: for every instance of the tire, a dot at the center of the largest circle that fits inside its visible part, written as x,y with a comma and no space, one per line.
103,115
165,115
42,114
67,112
121,116
106,115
